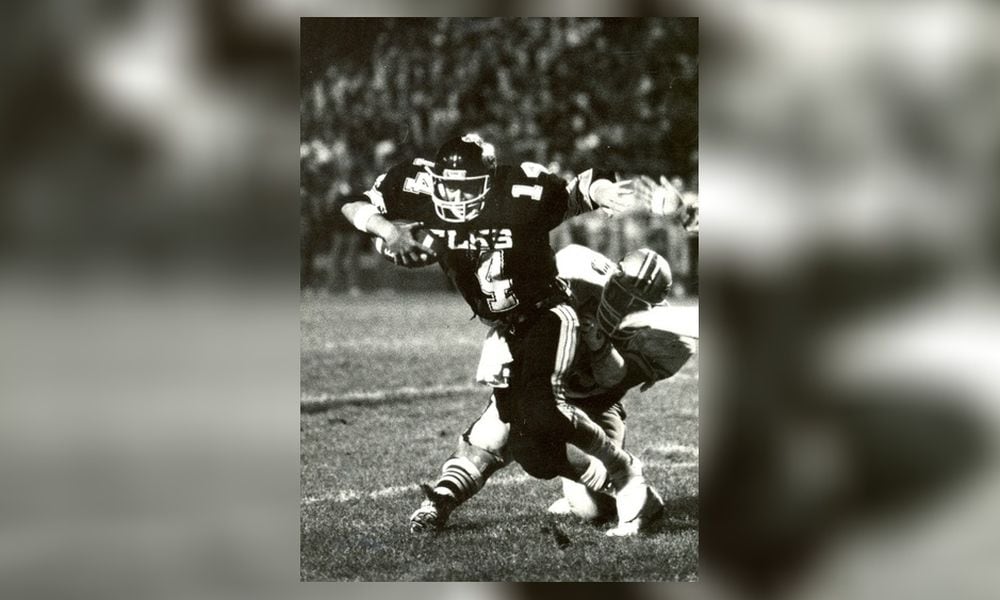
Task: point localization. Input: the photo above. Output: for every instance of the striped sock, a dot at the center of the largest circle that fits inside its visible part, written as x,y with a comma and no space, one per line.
460,478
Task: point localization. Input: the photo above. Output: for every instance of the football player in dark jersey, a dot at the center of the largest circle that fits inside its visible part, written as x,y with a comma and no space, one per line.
496,221
632,338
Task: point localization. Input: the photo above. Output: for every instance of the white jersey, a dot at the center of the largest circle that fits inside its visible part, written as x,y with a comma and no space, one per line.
659,340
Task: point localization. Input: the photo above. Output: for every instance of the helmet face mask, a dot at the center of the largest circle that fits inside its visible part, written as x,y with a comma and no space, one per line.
462,178
458,199
641,281
617,301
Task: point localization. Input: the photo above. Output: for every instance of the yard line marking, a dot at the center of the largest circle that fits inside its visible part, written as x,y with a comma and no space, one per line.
691,376
671,449
396,491
371,344
316,403
310,403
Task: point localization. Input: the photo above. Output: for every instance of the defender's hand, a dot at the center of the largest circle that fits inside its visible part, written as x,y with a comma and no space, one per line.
607,364
592,334
399,241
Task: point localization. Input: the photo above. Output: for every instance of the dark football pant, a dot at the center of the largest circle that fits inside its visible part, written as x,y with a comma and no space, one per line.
543,350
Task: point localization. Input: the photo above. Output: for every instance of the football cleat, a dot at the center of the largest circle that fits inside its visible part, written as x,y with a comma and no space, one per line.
631,493
560,507
577,500
433,512
649,513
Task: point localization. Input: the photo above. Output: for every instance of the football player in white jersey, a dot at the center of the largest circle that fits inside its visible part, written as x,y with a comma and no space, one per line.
630,337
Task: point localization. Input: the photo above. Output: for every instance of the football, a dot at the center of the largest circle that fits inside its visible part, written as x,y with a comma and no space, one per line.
435,245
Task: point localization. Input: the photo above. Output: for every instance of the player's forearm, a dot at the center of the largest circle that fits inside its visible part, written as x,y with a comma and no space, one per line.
366,218
598,188
608,365
583,189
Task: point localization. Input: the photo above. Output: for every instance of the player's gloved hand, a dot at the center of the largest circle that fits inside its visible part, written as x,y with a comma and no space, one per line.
613,197
399,241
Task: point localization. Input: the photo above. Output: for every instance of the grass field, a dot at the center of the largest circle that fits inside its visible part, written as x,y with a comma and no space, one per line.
387,388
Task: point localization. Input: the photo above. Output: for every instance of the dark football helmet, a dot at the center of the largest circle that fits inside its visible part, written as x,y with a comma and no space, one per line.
462,176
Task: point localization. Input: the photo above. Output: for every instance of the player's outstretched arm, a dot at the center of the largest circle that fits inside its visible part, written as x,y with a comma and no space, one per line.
398,238
613,197
598,189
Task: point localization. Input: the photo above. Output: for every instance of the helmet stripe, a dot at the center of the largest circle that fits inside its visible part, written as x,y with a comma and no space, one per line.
652,276
643,270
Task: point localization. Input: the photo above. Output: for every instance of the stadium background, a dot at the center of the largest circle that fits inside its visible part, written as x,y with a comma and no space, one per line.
568,93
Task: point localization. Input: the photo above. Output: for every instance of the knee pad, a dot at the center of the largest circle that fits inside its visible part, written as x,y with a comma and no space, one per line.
489,432
484,461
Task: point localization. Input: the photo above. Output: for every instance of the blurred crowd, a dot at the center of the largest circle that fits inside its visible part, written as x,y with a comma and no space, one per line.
569,93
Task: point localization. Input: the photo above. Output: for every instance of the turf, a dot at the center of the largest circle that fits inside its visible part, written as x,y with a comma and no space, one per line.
361,459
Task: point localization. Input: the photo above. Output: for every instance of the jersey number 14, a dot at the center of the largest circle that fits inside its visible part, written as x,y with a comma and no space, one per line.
497,289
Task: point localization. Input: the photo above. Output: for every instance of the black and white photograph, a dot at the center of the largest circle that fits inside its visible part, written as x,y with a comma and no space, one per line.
499,299
520,350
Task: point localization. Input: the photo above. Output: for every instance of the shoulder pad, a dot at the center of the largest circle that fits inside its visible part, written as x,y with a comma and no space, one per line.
533,169
410,176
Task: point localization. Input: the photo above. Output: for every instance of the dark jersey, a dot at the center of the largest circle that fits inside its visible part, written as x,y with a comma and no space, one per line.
501,261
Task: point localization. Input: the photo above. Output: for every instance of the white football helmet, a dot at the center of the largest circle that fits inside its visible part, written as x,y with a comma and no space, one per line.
642,280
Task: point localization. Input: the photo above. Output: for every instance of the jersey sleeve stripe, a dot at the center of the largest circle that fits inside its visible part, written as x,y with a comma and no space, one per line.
566,349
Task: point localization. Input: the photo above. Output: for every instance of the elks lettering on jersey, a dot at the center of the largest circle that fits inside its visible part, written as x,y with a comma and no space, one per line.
480,239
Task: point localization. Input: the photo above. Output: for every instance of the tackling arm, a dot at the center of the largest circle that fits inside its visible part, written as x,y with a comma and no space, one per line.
594,189
607,364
